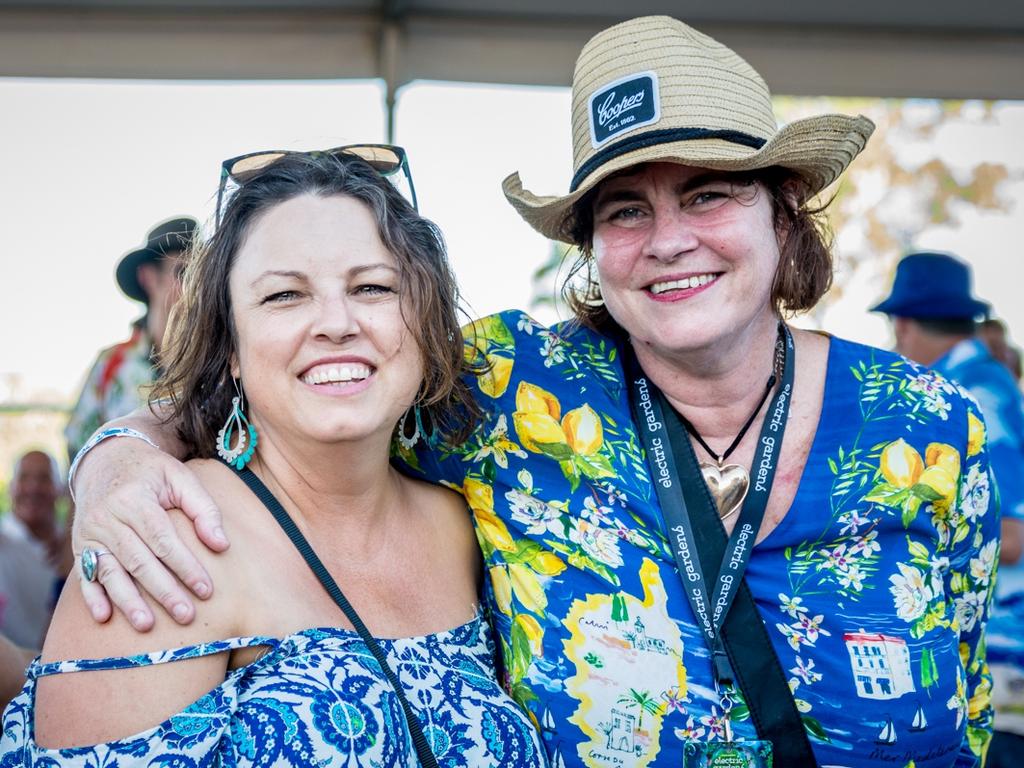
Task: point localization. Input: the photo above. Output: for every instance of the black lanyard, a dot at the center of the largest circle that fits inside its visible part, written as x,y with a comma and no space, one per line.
659,427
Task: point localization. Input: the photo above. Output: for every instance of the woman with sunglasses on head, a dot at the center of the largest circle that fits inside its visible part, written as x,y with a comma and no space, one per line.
321,314
711,537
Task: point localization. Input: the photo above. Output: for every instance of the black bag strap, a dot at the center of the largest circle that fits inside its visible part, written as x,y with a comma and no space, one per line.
759,673
423,751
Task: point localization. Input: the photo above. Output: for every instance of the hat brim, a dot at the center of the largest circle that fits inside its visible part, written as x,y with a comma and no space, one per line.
127,273
817,148
172,235
934,307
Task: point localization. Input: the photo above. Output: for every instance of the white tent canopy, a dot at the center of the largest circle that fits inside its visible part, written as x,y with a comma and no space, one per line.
923,48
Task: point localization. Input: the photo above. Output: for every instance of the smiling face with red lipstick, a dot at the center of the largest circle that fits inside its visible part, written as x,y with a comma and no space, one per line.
323,347
685,256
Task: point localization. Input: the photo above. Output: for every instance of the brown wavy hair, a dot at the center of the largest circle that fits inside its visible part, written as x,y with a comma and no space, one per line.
196,387
804,273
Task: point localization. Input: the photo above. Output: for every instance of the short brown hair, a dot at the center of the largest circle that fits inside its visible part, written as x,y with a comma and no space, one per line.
197,354
805,266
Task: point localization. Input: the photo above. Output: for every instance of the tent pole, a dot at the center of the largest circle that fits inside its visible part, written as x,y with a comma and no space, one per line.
389,71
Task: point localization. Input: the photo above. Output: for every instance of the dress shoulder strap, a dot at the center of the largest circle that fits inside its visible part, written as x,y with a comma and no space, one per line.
38,669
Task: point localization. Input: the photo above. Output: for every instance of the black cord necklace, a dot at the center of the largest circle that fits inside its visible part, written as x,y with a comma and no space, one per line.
720,458
729,483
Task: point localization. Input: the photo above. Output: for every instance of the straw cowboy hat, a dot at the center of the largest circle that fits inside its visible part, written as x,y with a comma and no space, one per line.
654,89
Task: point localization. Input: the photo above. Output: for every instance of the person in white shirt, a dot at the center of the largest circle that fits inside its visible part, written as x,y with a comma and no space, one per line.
31,545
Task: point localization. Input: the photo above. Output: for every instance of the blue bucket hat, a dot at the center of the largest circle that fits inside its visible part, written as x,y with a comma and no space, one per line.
932,286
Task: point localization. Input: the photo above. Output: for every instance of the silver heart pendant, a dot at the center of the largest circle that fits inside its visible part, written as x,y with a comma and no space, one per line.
728,486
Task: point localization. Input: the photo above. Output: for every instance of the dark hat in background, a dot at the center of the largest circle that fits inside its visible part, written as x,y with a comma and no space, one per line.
932,286
172,235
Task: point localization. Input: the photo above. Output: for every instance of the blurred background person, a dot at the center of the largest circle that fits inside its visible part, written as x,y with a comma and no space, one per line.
122,374
993,333
33,563
933,315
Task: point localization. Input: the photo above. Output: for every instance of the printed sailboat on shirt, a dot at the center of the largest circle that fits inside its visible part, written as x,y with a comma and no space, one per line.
920,722
888,733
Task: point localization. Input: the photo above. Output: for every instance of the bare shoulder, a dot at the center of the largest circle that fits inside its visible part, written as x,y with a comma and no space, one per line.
811,370
444,510
444,560
439,499
221,482
811,348
240,510
247,526
74,635
140,697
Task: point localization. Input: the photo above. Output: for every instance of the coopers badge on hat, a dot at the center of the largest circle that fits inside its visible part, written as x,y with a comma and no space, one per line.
653,89
625,105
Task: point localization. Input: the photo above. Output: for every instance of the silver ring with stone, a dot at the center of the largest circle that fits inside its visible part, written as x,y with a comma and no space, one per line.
90,561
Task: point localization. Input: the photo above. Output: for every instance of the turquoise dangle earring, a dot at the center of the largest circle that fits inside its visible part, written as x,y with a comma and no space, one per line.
239,428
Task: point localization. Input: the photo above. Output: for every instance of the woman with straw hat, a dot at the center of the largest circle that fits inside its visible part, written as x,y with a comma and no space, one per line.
711,538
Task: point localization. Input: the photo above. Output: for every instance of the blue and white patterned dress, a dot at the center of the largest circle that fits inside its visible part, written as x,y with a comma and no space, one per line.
316,698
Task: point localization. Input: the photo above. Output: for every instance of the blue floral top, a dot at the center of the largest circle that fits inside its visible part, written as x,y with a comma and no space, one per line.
316,698
874,588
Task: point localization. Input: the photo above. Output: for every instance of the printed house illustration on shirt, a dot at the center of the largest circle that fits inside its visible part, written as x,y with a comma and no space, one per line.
621,731
881,665
641,642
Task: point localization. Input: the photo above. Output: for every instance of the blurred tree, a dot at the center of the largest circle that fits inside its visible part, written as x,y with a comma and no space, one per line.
899,186
546,281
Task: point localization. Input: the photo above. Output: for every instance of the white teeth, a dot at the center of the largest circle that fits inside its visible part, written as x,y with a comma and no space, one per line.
337,374
694,281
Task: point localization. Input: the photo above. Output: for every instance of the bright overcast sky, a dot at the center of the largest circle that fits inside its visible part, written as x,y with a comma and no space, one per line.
89,166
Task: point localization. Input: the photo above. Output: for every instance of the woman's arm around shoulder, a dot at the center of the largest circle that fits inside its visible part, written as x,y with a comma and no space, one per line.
123,488
96,706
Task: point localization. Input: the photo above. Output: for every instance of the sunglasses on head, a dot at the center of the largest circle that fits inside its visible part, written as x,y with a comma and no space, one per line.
389,161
